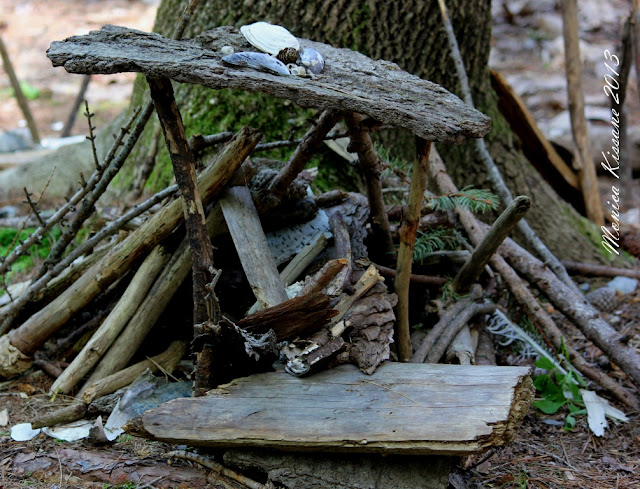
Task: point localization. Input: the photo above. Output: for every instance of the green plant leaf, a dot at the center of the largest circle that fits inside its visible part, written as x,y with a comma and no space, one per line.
547,406
29,91
569,422
545,363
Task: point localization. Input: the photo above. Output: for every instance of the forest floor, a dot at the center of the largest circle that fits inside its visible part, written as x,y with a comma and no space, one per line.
527,49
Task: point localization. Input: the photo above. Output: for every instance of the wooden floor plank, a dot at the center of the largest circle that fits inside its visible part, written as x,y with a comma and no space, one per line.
401,408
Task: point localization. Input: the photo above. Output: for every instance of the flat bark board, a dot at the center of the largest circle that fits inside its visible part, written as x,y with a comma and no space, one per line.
401,408
350,80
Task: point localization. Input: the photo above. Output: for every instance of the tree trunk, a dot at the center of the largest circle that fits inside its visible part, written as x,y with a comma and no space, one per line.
412,36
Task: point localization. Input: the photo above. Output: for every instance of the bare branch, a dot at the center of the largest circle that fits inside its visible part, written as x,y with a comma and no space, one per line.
91,137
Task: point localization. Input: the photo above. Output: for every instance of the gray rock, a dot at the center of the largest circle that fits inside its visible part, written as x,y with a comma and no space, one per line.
15,140
625,285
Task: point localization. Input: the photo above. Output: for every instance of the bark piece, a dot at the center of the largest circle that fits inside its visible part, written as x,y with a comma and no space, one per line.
323,277
294,317
379,89
500,229
371,320
115,322
409,410
369,278
405,253
244,225
30,336
111,469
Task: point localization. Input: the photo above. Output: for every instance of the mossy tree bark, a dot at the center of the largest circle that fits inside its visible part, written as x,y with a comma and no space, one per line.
411,35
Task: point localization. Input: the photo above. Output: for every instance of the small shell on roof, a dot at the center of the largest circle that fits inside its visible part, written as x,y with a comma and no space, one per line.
312,59
257,61
268,37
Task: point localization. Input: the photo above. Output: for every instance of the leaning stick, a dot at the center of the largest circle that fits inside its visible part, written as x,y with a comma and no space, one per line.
407,241
578,309
453,328
445,319
117,319
166,360
29,337
22,100
573,65
371,168
524,296
184,169
493,173
146,316
500,229
599,270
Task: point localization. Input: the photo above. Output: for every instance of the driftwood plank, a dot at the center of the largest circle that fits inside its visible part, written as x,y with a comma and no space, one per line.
350,81
248,237
401,408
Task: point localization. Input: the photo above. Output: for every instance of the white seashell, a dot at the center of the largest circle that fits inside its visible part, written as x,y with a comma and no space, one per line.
257,61
298,70
312,59
227,50
268,37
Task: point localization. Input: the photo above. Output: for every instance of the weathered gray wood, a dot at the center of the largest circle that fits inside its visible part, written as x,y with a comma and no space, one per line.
401,408
350,81
248,237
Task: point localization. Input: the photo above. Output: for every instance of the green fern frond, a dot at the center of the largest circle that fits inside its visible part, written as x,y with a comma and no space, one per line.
473,199
434,240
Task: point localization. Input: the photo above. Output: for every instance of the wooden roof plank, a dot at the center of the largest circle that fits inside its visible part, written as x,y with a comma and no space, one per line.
350,80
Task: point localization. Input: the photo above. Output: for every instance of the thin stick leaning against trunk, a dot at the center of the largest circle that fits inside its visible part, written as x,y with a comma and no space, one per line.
573,65
447,316
453,328
576,308
493,173
522,294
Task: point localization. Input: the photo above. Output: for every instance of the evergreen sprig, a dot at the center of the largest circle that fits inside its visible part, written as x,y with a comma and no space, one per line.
433,240
474,199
